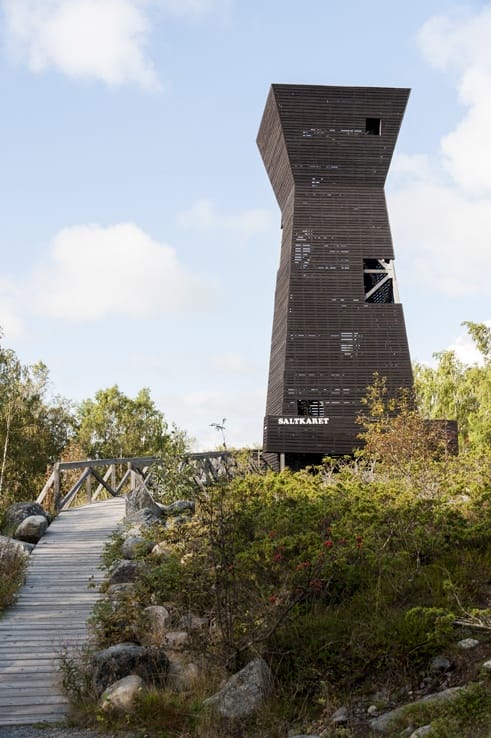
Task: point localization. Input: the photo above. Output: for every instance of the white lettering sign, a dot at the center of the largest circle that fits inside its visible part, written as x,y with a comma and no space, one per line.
304,420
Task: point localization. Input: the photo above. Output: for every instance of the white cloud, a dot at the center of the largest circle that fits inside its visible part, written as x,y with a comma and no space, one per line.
97,271
445,234
458,42
443,223
461,45
202,216
92,39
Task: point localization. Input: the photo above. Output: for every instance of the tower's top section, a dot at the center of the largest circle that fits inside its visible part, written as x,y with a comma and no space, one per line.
345,135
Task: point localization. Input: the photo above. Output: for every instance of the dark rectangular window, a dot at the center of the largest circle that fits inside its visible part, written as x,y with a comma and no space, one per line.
373,126
378,281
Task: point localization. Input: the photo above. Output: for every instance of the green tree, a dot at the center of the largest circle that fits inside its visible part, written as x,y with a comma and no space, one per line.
399,441
456,391
34,428
114,425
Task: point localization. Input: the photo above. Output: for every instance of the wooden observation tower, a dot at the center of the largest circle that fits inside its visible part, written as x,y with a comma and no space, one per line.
337,315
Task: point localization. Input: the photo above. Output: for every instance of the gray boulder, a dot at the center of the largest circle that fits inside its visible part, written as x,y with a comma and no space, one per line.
119,661
121,695
19,548
134,546
176,639
178,508
18,512
32,529
154,625
468,643
244,693
141,507
421,732
182,673
382,724
340,716
124,571
439,665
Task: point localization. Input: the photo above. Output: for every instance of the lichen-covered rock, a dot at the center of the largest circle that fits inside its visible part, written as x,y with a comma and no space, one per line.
123,571
439,665
18,512
141,507
340,716
32,529
421,732
119,591
20,548
121,660
468,644
382,724
178,508
134,546
182,674
244,693
176,639
154,625
121,695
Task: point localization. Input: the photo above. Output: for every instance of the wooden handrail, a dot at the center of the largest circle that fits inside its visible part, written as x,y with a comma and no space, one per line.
137,470
135,460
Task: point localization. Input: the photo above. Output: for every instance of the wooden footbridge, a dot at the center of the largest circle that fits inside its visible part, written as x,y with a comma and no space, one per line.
61,586
51,612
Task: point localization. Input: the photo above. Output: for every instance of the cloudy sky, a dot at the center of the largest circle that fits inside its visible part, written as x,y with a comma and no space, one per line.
140,235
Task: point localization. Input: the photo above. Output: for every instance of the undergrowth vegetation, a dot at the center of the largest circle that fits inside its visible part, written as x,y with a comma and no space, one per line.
347,578
13,565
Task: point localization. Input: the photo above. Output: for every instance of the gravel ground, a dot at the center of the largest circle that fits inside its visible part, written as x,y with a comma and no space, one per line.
58,731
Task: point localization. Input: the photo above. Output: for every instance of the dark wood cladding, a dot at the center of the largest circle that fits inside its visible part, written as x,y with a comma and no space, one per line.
327,151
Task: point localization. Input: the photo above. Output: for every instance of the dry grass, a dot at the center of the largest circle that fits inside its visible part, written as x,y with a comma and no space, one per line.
13,563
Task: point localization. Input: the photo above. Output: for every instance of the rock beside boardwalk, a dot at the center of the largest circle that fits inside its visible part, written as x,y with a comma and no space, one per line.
18,512
123,659
244,693
142,508
32,529
121,695
20,548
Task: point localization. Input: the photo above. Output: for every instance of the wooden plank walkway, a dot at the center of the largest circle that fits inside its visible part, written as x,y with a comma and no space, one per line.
51,612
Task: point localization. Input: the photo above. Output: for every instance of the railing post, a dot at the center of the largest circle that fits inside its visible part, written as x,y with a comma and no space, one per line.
88,488
56,486
113,476
132,477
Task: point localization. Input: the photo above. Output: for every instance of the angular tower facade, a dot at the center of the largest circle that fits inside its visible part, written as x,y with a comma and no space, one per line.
337,316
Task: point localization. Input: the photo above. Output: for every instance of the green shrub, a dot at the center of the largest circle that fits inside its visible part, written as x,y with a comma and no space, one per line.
341,576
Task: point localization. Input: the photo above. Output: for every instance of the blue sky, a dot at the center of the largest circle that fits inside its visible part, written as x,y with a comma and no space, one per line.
140,235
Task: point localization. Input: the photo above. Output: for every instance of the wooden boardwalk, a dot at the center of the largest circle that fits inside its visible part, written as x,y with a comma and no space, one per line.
51,612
